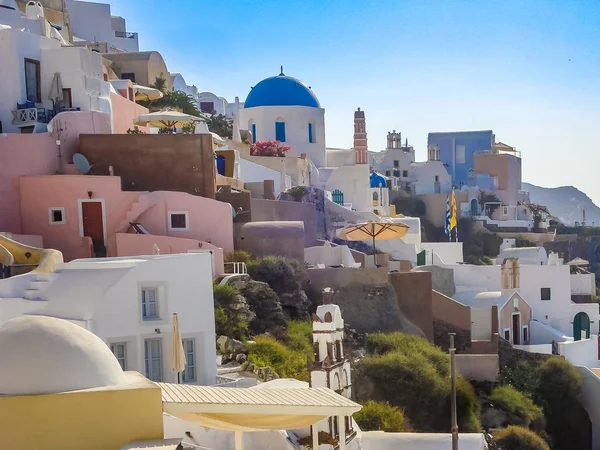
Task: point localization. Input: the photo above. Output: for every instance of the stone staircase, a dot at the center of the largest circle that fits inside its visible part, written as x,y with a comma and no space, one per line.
144,202
38,285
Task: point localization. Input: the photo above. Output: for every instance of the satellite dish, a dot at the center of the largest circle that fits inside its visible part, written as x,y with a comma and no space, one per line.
81,162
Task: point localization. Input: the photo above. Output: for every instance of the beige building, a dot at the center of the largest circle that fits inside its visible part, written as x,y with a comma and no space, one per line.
142,68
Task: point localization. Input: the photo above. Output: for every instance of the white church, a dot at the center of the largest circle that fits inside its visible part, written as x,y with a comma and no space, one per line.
285,109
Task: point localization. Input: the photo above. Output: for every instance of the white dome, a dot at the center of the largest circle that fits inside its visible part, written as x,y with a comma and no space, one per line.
44,355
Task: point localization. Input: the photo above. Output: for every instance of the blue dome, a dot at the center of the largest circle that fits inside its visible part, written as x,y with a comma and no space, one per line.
281,91
377,180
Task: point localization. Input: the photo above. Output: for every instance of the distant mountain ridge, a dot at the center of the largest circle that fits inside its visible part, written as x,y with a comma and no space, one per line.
566,203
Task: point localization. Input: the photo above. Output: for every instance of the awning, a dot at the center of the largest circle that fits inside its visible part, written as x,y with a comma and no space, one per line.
237,409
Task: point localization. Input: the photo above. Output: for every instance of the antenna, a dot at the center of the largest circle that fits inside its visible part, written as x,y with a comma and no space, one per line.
81,162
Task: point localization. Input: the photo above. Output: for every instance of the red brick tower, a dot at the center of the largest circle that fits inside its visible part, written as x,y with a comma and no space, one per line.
360,137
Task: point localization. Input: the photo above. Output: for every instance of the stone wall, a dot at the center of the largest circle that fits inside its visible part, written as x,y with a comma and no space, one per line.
277,210
271,238
414,298
154,162
449,310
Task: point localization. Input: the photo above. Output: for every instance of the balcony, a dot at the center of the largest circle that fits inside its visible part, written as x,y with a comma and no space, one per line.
28,117
125,34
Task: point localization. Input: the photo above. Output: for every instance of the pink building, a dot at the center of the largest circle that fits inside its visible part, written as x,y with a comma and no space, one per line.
41,194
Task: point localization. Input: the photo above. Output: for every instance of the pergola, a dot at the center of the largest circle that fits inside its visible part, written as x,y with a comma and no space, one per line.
249,410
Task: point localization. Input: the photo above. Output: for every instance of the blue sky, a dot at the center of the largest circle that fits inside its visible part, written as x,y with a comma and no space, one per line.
529,70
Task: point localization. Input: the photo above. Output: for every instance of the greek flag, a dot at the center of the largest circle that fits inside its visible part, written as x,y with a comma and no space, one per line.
448,215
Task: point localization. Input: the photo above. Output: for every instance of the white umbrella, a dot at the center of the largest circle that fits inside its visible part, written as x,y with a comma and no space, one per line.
56,89
146,93
178,361
168,118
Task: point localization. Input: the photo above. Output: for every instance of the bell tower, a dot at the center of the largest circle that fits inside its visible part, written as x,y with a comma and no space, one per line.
360,137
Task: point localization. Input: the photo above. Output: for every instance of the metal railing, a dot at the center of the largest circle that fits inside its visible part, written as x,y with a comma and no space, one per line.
125,34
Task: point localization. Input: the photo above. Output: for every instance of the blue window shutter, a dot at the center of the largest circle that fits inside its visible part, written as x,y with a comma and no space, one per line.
311,139
254,133
280,131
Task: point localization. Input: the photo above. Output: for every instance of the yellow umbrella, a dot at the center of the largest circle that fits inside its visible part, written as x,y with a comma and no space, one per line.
167,118
380,231
178,361
146,93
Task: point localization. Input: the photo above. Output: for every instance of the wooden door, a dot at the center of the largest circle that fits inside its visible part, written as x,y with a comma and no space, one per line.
93,224
516,318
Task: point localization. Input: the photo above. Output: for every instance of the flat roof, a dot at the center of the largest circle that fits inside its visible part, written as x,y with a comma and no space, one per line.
295,401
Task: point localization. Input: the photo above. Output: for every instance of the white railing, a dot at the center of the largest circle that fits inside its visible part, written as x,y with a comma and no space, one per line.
239,268
25,116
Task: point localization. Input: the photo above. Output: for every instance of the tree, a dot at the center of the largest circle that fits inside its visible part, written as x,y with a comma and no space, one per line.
177,100
489,197
269,148
220,125
539,213
519,438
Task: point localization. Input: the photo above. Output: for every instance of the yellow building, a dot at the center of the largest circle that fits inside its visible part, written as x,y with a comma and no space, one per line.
62,388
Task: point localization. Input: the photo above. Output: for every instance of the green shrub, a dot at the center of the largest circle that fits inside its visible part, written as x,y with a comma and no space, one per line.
381,416
299,336
519,438
238,256
228,321
413,374
284,275
519,407
522,376
266,351
558,393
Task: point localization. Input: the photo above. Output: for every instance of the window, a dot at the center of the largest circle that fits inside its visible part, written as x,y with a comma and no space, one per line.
32,80
311,137
507,334
546,293
150,304
396,173
189,347
153,358
388,173
120,352
178,221
207,107
280,131
505,211
254,133
437,179
405,173
128,76
56,216
460,154
396,164
525,334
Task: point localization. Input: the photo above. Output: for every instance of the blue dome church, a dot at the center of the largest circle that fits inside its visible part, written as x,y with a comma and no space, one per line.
285,109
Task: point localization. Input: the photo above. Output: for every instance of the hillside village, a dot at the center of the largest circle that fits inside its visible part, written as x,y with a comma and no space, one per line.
181,271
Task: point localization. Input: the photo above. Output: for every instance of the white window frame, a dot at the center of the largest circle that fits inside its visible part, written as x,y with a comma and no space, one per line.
523,328
148,360
509,334
546,300
188,367
51,215
187,220
113,346
156,290
505,210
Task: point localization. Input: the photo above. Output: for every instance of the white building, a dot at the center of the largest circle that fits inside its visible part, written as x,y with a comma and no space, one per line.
93,23
545,284
32,57
129,302
430,177
395,161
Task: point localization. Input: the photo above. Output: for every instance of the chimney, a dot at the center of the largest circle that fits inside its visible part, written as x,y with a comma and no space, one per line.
327,296
360,137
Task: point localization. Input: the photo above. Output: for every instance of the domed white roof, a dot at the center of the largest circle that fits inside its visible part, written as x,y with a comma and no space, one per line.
44,355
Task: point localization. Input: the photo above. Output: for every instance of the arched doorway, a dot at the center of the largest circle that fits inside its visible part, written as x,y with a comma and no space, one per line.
474,207
581,323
